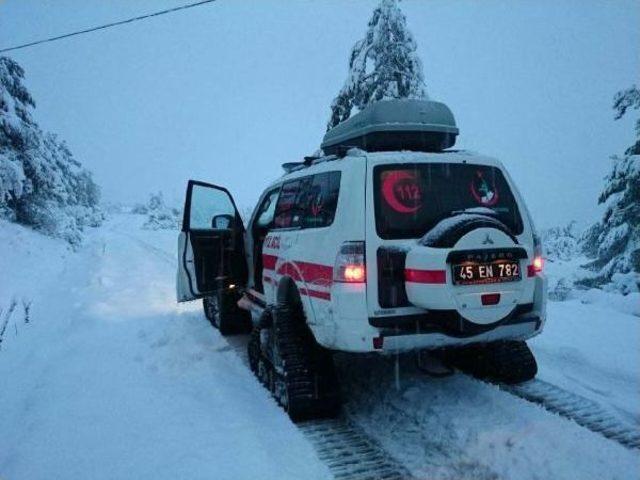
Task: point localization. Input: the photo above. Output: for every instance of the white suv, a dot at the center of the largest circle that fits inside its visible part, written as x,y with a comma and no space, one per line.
371,251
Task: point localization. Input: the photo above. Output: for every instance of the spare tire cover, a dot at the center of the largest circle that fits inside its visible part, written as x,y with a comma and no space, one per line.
447,232
458,233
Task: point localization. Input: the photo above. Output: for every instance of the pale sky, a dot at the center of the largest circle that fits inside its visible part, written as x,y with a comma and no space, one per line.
228,91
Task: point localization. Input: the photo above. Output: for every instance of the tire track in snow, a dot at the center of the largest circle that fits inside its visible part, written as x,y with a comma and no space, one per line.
348,452
166,257
340,443
426,441
585,412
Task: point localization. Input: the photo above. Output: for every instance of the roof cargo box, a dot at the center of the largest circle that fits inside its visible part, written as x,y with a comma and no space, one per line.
420,125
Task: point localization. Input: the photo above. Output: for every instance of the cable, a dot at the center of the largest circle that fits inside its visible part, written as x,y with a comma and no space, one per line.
108,25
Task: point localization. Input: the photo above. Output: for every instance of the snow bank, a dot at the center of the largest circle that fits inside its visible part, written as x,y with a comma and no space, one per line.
563,274
26,259
592,350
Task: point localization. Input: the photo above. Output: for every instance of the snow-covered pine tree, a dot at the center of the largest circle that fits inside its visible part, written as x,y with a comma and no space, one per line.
41,184
383,65
614,242
561,243
161,216
17,133
622,101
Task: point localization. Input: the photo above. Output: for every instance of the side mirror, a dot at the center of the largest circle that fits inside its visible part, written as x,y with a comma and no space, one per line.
222,222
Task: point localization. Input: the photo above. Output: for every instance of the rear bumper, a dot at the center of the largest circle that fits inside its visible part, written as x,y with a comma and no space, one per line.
443,328
421,332
447,322
520,329
350,327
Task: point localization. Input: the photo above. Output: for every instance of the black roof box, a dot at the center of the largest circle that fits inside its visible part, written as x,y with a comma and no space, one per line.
388,125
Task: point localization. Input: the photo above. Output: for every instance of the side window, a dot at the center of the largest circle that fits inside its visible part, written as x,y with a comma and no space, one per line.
308,202
286,204
322,200
267,209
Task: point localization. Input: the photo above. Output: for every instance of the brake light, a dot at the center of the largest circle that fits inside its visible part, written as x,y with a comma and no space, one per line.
536,267
538,262
354,273
350,265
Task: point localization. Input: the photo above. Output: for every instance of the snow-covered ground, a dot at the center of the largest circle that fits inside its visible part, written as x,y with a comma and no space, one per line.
459,427
111,379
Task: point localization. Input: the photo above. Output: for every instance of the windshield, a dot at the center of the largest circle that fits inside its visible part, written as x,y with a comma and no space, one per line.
410,199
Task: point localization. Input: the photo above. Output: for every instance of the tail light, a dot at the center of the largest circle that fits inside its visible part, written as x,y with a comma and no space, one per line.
537,265
350,264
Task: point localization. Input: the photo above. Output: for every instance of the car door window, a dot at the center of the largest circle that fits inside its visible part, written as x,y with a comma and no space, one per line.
267,210
308,202
292,203
302,202
322,200
284,208
210,208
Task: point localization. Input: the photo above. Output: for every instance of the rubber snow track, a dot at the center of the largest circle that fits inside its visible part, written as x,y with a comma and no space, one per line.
342,446
349,453
583,411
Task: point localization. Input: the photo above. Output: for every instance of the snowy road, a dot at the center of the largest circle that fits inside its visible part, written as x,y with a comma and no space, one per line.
111,379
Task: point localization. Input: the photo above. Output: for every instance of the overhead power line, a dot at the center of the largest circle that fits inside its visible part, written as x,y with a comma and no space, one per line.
108,25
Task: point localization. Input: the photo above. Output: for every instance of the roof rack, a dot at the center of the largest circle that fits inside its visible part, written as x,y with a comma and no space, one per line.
290,167
388,125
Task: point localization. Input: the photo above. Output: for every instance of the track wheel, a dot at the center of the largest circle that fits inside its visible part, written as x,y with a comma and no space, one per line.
303,377
255,344
507,362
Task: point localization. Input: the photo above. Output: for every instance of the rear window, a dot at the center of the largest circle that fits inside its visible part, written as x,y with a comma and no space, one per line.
308,202
410,199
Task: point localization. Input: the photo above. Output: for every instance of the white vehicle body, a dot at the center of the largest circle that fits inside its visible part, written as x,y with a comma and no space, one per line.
425,309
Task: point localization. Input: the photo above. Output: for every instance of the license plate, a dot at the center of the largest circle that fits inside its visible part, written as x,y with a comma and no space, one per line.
474,273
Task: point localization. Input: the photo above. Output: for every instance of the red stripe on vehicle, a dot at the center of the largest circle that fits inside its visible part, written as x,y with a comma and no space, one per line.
316,294
289,270
425,276
308,272
316,273
269,261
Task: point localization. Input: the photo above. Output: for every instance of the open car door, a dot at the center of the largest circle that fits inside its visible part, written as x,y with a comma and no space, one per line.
211,253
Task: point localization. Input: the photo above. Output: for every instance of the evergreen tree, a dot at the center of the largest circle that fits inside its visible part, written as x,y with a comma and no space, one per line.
17,132
161,216
614,242
622,101
384,65
41,184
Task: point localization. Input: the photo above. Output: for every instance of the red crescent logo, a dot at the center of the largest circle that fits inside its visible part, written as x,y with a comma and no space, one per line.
389,184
